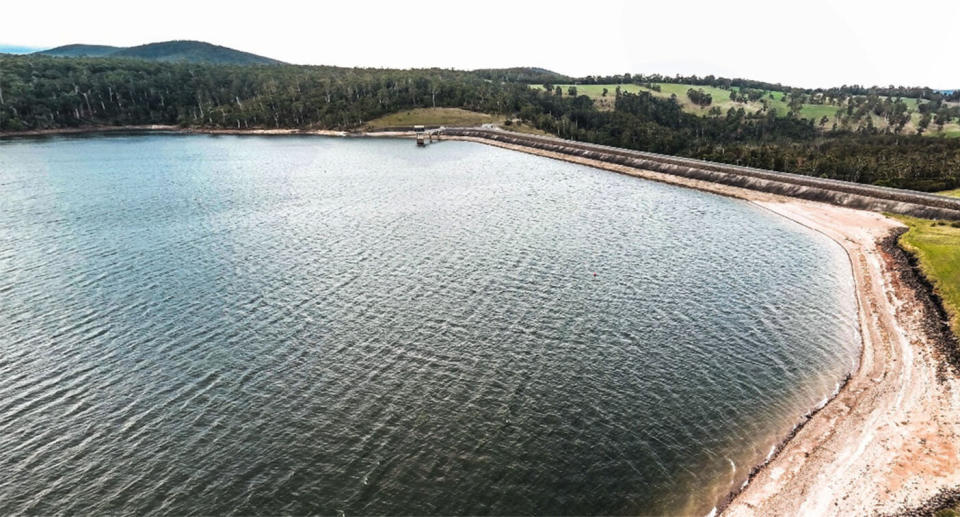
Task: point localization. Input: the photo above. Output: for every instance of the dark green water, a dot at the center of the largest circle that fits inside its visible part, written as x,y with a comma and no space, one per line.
266,325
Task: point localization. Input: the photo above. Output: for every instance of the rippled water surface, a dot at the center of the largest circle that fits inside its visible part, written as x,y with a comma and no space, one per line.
264,325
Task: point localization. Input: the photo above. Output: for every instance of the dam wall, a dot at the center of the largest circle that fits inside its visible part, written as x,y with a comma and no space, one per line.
837,192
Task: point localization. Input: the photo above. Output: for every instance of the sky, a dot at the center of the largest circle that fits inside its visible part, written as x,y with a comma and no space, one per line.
814,43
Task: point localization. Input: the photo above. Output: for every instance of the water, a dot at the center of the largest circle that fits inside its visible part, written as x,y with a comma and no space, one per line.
266,325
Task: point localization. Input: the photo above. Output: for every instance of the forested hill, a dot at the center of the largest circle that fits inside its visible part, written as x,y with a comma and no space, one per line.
168,51
80,50
40,92
526,74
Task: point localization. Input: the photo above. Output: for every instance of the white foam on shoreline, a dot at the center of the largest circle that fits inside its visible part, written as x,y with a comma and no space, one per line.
771,453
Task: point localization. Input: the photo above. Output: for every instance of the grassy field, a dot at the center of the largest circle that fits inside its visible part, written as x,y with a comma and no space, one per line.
951,130
434,117
721,98
937,246
952,193
595,92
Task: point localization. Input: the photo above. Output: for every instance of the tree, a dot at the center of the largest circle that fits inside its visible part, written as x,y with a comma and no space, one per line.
796,103
699,97
572,91
924,123
604,94
943,116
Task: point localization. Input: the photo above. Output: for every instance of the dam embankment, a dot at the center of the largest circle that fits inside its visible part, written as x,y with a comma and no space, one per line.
836,192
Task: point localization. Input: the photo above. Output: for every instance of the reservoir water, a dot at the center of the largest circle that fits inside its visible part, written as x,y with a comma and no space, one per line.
307,325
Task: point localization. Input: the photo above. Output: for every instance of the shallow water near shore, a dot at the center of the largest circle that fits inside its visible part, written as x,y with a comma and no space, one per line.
194,324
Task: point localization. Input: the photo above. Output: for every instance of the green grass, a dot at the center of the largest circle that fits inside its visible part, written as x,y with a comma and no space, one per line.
951,130
818,111
595,91
433,117
911,102
936,244
952,193
721,98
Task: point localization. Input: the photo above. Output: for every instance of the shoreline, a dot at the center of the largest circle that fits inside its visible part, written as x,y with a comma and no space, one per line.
163,128
888,440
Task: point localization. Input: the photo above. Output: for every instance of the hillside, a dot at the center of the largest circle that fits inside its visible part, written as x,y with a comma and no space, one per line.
825,112
166,51
80,50
523,74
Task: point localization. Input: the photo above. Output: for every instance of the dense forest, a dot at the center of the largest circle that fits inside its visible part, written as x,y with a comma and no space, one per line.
39,92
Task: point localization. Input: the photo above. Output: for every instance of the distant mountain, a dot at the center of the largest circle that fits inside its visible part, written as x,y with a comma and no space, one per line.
167,51
80,50
523,74
16,49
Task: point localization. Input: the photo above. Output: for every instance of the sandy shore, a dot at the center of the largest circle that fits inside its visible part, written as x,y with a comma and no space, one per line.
890,439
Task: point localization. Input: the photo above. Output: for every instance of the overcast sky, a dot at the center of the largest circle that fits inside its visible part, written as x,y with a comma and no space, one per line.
810,43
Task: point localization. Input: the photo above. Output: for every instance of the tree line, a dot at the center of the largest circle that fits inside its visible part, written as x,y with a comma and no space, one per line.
38,92
916,92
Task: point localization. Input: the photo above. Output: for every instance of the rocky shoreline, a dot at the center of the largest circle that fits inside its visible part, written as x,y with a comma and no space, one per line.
946,499
937,322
